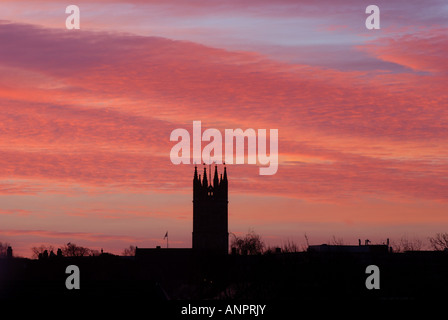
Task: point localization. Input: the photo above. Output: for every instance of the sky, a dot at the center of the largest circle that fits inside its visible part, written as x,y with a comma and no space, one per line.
86,117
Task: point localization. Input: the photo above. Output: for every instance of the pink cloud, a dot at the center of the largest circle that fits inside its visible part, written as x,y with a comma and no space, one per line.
95,110
18,212
67,235
85,141
420,50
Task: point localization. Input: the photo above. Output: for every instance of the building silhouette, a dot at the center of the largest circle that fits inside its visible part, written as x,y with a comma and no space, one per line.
210,212
210,222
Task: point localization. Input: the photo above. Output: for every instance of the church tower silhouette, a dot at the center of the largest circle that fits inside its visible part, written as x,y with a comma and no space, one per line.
210,213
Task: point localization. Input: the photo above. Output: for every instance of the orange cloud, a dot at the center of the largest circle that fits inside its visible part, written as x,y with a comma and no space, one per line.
420,50
88,141
96,109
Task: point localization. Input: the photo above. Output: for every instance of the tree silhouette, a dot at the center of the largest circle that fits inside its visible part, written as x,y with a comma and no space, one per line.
336,241
406,244
41,249
4,248
439,242
249,244
130,252
72,250
290,246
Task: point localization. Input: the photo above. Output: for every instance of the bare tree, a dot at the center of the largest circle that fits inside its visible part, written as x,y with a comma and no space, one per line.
72,250
406,244
94,252
130,252
290,246
4,248
41,249
337,241
411,244
249,244
439,242
307,243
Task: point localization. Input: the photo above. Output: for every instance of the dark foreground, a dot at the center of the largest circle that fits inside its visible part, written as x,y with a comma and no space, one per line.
304,276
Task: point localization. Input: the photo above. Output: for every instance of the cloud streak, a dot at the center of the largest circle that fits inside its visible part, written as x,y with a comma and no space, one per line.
86,141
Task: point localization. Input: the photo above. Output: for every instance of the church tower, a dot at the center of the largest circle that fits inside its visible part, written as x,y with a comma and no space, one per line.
210,213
